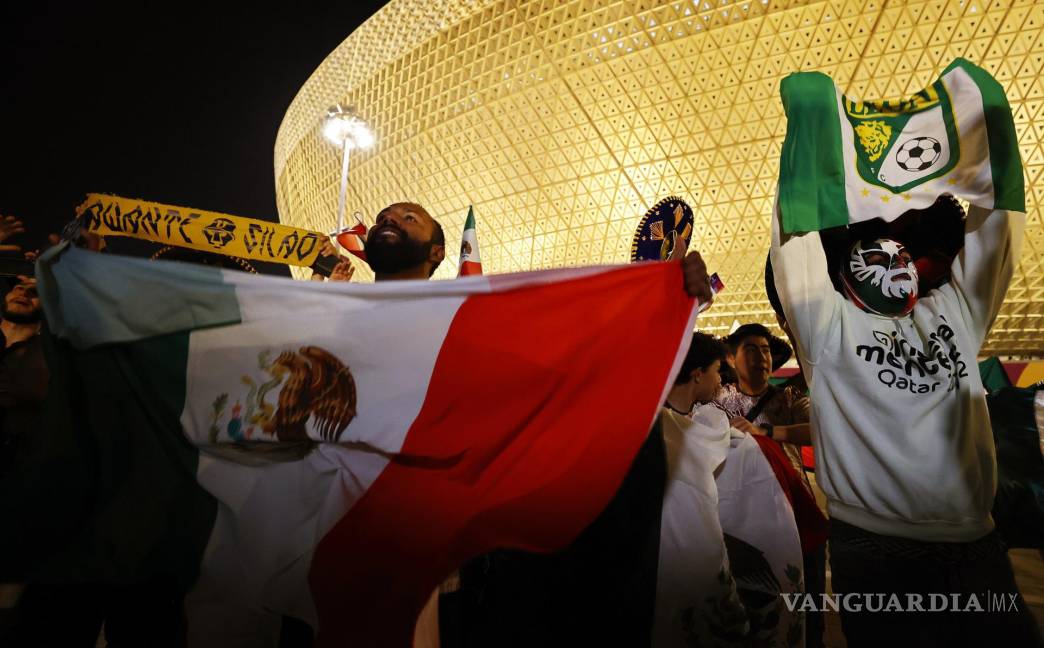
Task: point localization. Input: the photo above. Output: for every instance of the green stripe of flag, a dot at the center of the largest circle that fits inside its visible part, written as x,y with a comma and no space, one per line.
1009,189
812,169
106,490
108,308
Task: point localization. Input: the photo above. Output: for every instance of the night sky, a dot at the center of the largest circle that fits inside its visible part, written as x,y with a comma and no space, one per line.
171,103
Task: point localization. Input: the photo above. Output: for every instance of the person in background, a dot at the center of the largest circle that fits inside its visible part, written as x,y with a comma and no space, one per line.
23,369
697,598
753,404
757,407
405,243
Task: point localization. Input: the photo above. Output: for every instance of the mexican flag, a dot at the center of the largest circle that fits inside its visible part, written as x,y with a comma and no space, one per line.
470,260
847,160
728,543
332,451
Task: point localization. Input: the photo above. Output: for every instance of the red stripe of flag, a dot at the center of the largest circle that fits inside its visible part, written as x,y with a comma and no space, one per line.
469,268
541,396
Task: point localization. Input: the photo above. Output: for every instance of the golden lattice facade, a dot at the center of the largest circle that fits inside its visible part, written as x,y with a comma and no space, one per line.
562,122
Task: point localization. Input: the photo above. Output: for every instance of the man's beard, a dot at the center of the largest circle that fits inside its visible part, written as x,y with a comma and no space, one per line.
391,257
32,317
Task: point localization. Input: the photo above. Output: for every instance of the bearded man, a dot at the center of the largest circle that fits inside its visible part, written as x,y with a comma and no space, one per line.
904,450
405,243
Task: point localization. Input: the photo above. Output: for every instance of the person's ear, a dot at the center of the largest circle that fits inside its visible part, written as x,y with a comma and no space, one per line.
696,375
437,254
730,359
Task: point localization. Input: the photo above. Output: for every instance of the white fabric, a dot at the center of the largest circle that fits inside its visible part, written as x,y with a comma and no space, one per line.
390,370
470,236
696,589
973,171
1038,413
695,594
753,509
257,560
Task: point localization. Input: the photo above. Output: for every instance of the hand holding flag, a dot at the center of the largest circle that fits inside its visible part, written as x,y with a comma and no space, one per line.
698,283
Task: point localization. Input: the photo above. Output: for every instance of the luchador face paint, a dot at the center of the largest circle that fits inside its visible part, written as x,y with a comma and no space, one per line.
879,276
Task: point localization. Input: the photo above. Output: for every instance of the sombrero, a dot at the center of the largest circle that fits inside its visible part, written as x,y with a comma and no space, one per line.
664,231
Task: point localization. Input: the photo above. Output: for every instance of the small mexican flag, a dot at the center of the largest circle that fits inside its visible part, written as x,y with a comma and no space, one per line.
846,160
332,451
470,261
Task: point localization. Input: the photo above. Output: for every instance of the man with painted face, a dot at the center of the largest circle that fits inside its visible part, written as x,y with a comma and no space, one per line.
879,277
904,450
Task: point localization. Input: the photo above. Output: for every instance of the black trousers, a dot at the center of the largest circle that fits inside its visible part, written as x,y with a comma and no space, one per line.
815,584
867,563
599,591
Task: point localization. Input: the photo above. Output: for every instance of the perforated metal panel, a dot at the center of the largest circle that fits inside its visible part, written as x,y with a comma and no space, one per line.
562,122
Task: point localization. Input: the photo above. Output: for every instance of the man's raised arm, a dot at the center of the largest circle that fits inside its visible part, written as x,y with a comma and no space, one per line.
802,278
983,268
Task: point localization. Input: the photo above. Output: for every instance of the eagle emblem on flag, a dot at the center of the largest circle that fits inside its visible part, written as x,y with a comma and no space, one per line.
317,385
313,382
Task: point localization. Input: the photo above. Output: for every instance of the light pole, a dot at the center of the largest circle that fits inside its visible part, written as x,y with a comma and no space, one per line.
344,128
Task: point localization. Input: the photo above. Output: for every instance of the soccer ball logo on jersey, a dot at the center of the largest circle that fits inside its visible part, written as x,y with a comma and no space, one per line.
900,144
918,154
